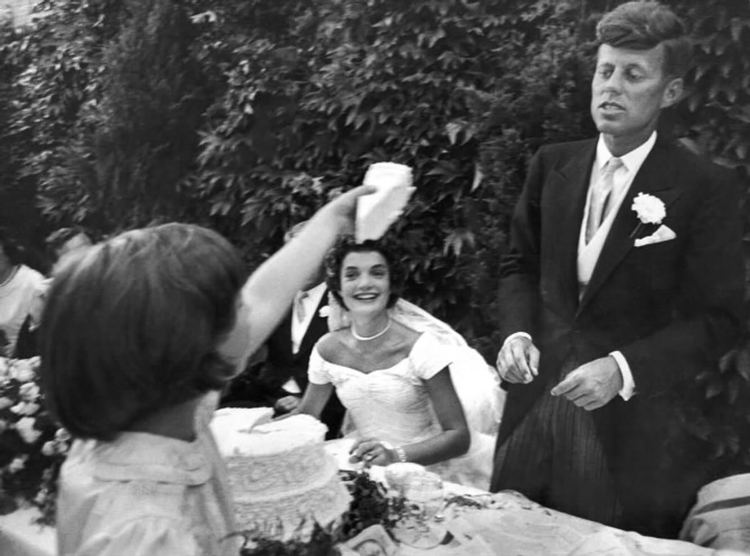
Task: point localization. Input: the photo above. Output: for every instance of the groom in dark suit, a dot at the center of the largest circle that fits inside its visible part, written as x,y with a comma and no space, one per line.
623,281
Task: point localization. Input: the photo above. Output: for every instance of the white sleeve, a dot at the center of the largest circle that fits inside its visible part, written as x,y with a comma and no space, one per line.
516,335
317,368
429,356
628,383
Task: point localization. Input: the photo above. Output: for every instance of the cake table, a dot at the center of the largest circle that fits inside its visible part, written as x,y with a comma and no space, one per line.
511,525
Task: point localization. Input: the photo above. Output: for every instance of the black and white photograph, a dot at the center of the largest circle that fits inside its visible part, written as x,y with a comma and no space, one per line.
374,277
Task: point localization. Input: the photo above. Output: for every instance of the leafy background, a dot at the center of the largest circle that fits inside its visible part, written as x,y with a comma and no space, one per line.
246,115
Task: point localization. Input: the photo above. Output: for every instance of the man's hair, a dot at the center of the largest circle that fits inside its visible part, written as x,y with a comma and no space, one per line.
346,244
11,247
644,25
132,324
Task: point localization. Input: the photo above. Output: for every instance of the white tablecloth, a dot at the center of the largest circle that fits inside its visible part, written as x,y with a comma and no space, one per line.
512,526
20,536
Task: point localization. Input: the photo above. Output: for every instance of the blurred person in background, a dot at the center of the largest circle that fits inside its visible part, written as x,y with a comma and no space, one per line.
59,244
18,286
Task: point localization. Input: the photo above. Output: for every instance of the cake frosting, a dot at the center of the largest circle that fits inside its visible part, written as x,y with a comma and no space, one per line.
282,479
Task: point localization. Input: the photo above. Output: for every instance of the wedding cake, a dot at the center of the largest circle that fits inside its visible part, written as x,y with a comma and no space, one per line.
281,477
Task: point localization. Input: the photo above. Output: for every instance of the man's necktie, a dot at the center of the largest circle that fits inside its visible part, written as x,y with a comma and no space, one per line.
600,197
299,306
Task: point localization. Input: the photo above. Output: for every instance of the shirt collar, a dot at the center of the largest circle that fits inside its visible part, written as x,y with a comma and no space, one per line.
316,291
632,160
144,456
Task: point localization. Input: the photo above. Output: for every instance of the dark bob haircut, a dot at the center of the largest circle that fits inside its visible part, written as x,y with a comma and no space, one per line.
345,245
644,25
11,247
132,324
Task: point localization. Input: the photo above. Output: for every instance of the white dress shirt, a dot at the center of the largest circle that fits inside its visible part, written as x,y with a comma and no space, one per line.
310,301
588,253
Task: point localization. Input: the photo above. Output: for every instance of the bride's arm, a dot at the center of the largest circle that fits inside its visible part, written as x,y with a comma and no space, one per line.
314,399
453,441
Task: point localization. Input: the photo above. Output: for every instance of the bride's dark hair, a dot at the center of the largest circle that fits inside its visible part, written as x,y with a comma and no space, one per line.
347,244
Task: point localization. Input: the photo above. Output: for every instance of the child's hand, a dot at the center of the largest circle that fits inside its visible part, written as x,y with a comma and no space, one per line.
344,207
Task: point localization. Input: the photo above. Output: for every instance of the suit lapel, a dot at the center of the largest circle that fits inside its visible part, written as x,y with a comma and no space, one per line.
317,327
567,197
653,178
284,334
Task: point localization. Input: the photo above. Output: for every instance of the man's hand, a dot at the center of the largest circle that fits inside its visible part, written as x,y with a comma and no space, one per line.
286,404
518,360
592,385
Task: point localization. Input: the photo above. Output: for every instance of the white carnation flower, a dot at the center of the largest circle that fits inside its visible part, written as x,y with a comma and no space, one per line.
25,408
49,448
25,427
29,391
22,373
17,464
5,403
650,209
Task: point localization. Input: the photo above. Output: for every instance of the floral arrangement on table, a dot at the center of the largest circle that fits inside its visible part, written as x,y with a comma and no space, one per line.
32,446
370,505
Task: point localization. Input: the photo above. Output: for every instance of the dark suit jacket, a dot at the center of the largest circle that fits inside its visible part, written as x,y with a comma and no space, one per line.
261,384
671,308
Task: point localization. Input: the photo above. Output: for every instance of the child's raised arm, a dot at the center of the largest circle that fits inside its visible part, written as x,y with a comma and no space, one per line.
270,290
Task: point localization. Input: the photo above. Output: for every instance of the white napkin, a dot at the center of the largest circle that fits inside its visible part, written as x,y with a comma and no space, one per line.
377,211
662,234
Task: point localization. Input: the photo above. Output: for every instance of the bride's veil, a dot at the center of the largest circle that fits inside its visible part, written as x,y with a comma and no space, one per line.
476,383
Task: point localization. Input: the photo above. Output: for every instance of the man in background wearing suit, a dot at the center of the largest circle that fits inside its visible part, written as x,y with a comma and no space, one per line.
623,281
277,377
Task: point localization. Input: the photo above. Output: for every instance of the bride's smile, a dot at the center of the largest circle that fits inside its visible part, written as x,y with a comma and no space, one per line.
365,283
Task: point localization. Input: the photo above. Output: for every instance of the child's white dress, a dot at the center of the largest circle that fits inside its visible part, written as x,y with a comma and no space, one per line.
144,494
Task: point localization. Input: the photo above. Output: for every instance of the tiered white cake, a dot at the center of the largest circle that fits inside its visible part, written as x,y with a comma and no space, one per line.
281,477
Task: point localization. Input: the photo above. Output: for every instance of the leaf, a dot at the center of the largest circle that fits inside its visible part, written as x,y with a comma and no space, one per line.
453,129
714,389
743,363
478,175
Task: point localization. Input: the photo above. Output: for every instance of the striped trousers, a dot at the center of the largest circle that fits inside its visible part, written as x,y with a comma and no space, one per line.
555,458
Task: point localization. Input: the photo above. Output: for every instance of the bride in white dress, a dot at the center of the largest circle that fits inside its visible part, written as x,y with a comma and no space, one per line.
394,369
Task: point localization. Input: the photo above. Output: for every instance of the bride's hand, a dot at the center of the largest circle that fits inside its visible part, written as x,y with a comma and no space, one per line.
371,451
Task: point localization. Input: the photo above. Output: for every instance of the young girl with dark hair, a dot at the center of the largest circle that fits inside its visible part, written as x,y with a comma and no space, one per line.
138,334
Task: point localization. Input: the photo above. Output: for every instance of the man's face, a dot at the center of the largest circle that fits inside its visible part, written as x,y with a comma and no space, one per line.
628,91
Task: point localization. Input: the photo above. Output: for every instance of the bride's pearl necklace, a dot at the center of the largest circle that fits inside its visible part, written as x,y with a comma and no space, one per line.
368,338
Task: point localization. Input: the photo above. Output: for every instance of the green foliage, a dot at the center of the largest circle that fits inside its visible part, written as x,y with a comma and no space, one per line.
57,70
714,120
248,115
378,80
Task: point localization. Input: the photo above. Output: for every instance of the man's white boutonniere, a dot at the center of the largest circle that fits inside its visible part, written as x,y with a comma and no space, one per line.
649,209
324,312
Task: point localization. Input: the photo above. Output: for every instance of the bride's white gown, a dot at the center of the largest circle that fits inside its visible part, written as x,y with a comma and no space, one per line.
392,404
